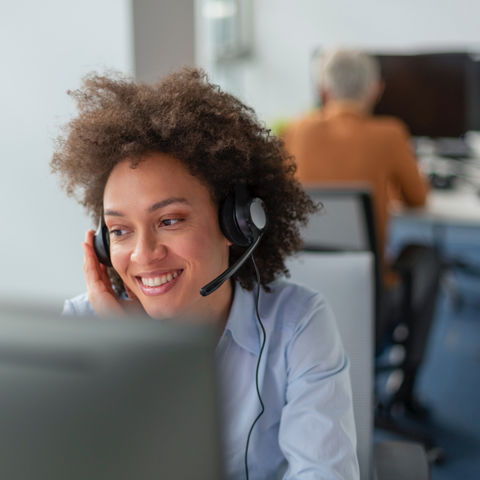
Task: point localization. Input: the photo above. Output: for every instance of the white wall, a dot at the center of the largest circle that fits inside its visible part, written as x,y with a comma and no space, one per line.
164,37
45,49
276,80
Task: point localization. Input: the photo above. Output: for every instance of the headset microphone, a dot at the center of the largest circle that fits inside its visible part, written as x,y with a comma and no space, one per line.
218,282
243,221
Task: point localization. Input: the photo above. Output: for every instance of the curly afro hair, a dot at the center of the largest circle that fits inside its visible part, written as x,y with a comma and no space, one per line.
217,137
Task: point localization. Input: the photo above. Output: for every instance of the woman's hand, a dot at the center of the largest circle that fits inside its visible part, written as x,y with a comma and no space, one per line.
100,291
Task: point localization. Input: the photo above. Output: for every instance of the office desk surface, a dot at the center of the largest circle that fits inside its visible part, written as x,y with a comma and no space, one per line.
457,207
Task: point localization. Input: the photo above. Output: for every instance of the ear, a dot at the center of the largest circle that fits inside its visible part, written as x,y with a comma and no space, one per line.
374,95
324,96
379,91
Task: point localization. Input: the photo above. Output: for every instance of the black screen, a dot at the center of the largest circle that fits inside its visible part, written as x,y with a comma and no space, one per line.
434,94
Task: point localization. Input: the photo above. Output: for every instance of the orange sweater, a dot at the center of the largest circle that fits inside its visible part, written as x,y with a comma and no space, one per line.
342,144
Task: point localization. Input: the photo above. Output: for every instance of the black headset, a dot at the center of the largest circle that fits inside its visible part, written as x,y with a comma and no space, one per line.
242,220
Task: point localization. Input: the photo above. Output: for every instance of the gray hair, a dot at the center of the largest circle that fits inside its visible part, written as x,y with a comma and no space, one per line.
347,74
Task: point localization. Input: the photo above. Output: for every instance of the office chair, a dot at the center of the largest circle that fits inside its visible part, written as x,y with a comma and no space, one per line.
341,275
347,223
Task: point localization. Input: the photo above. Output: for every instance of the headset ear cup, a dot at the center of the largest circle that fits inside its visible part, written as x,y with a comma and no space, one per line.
258,217
243,220
228,222
101,244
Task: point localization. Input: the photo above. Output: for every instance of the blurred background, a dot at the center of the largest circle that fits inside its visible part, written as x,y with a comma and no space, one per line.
259,50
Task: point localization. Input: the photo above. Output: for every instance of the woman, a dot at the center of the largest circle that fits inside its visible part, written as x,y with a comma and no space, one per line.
158,165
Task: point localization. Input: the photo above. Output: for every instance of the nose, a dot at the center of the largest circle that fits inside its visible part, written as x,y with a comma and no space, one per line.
148,248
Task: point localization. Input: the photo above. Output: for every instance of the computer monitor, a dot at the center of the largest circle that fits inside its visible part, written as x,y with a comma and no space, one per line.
436,94
88,398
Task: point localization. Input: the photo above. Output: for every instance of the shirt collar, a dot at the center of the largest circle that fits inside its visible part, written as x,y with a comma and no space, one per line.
337,107
242,321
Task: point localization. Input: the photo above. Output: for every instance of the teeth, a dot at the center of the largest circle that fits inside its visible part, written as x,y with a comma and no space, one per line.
157,281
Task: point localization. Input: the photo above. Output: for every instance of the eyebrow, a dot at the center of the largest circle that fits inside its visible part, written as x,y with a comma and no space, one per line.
156,206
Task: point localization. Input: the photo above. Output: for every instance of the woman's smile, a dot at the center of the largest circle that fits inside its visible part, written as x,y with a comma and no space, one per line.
157,284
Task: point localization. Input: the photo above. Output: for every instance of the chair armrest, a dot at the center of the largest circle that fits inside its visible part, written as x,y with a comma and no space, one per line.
420,269
412,256
400,460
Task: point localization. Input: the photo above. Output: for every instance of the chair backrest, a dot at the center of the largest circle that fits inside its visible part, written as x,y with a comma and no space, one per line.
347,282
346,222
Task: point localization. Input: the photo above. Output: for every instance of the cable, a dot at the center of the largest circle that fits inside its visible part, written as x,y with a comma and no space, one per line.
262,406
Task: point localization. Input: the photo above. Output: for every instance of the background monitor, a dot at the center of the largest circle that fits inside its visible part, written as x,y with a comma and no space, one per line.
435,94
84,398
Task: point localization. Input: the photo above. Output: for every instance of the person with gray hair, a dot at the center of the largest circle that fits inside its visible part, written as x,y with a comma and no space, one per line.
349,75
342,142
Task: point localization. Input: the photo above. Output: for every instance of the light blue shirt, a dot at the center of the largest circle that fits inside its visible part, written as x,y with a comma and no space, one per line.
307,431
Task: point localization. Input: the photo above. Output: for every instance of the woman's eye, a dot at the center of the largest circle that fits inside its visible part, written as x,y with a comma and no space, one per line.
170,221
117,232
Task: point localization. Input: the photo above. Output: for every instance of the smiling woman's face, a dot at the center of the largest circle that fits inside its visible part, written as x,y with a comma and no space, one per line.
165,239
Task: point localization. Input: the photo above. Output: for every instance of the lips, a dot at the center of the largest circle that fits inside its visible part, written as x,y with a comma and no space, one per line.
158,283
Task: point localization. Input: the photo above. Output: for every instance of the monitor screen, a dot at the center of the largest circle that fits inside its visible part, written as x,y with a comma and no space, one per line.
434,94
84,398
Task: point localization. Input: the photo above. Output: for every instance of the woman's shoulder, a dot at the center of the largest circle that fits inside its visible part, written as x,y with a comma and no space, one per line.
78,306
291,303
300,319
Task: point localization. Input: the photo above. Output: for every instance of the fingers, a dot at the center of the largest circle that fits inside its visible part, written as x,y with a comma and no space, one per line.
99,288
89,235
91,265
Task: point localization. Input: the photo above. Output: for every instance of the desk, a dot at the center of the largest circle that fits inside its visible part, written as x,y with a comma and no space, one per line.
456,207
446,208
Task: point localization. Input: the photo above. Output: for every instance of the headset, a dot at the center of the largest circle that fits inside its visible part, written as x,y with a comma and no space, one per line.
242,220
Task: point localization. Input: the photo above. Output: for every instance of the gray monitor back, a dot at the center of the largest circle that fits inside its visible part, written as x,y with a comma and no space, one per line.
83,398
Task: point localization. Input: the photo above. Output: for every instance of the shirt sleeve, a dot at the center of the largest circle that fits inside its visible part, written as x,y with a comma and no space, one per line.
68,308
78,306
317,428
